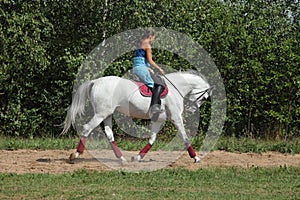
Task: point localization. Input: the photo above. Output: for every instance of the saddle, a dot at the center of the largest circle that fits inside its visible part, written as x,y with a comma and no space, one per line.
146,92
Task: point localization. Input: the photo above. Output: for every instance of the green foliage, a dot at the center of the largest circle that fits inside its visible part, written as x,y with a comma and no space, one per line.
24,61
254,44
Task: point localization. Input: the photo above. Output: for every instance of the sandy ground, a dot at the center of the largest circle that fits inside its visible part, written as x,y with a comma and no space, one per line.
55,161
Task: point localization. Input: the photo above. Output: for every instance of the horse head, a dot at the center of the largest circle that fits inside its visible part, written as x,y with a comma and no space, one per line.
200,90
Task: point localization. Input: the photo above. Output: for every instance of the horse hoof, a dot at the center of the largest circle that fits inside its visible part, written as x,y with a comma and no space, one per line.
133,159
123,161
72,158
197,159
136,158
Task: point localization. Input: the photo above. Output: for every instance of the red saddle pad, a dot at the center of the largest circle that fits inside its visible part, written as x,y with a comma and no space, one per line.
144,90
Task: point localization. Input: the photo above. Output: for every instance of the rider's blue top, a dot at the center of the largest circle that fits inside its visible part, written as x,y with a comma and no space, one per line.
140,58
140,53
140,67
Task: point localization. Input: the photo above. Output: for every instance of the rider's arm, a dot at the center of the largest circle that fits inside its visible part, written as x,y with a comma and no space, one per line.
150,60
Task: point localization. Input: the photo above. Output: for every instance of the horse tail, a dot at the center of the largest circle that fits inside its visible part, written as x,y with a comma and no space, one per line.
78,105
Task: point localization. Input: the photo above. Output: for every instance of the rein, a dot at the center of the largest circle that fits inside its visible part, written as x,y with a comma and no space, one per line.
173,86
191,104
204,91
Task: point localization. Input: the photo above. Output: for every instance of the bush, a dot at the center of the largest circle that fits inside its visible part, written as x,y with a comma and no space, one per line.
254,45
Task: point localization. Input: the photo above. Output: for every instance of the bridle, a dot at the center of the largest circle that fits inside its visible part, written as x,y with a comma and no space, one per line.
198,98
203,93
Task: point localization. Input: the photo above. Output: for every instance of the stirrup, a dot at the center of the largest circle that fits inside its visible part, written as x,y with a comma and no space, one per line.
154,113
155,109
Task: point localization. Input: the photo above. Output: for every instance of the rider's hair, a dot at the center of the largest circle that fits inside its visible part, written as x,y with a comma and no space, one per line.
147,34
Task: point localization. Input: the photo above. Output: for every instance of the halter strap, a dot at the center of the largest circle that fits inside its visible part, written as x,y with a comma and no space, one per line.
203,92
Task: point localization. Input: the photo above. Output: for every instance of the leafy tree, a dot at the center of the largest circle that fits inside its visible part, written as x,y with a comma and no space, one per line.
255,45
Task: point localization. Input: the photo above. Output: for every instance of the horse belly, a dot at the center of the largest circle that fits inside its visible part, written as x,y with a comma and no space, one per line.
136,111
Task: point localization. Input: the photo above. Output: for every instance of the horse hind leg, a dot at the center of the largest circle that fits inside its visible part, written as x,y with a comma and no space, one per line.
111,139
87,129
155,127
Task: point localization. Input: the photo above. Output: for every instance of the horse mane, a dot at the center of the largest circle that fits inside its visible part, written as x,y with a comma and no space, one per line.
193,72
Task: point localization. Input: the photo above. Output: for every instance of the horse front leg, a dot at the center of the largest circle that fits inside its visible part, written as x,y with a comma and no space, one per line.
179,124
155,127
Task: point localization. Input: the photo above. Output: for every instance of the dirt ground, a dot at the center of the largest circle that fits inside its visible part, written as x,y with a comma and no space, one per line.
55,161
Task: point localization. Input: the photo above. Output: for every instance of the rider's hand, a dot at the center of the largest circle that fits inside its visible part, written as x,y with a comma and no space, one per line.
161,71
151,71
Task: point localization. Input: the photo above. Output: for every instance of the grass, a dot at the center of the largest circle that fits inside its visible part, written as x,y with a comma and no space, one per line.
224,143
38,143
232,144
229,183
209,183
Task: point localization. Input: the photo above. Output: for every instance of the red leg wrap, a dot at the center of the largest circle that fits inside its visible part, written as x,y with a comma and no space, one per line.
81,145
145,150
116,149
191,151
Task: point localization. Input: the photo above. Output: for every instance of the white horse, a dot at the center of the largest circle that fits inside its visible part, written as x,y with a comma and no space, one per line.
111,93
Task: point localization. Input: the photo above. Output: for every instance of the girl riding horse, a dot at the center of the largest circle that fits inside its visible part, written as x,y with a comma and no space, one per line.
141,67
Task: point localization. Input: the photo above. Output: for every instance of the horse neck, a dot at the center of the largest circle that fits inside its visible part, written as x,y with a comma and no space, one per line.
181,83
